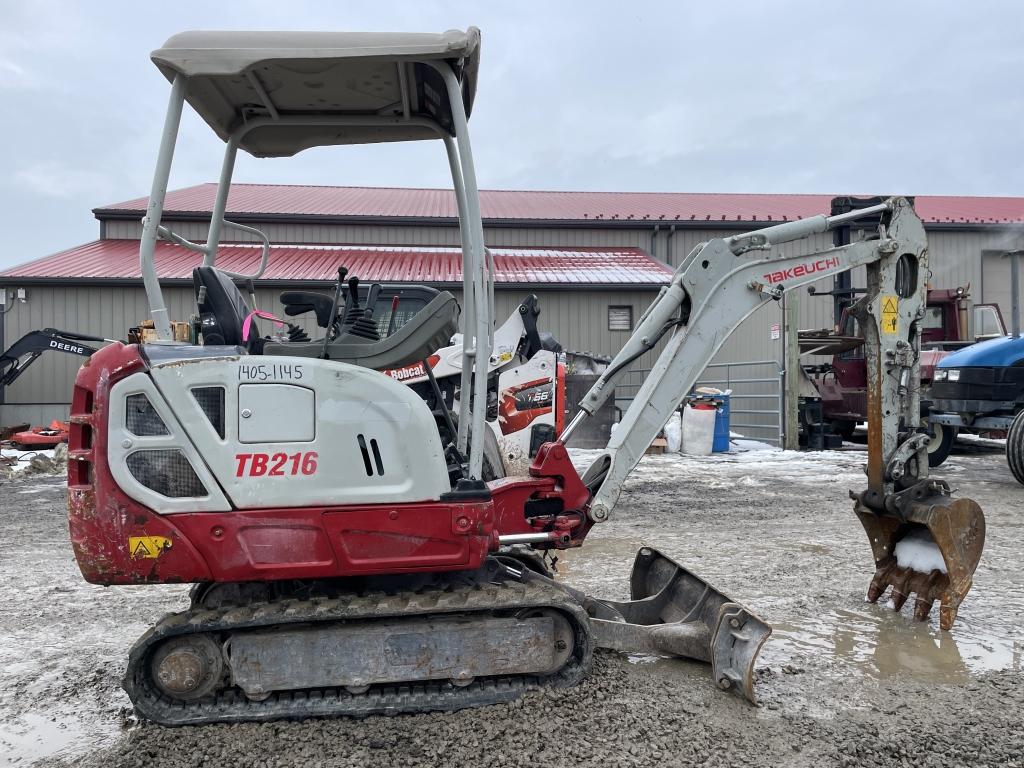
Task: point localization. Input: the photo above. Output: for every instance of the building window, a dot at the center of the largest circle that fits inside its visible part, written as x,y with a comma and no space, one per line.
620,318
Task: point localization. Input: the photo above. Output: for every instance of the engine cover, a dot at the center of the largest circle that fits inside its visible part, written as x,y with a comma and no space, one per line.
204,465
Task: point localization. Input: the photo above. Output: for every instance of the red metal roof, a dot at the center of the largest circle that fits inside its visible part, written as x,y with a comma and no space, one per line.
509,205
119,259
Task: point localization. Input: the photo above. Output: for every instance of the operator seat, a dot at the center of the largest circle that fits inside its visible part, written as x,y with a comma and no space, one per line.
222,310
430,329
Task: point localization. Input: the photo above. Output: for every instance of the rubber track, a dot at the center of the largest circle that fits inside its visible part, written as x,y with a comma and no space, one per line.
231,705
1015,447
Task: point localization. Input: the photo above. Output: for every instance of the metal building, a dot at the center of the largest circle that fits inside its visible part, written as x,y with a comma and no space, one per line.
594,259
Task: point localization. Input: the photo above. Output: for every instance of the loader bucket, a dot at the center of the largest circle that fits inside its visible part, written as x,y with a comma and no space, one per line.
900,541
676,613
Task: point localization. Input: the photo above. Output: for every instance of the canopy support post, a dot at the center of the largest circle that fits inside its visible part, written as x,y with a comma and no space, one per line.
155,209
474,281
468,307
220,204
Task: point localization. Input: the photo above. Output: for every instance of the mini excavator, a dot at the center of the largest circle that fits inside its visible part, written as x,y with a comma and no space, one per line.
338,567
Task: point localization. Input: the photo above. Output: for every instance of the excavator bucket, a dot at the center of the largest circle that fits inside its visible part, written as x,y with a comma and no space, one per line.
675,613
929,544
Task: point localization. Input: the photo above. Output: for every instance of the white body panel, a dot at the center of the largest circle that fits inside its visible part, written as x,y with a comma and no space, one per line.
516,419
298,432
122,443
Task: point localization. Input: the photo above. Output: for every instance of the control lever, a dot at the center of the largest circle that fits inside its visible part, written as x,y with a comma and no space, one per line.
342,271
394,315
371,299
361,319
352,309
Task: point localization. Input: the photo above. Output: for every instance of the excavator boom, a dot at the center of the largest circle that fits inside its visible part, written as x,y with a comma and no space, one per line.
717,286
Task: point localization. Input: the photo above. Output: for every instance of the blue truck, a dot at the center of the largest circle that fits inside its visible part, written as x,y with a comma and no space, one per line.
981,388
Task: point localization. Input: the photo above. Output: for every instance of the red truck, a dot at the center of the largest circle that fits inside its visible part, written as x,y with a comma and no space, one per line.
949,324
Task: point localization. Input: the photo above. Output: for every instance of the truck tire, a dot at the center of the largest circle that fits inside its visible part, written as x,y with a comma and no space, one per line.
1015,447
844,429
940,446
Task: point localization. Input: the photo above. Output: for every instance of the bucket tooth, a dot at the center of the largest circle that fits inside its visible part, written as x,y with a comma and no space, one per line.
922,607
957,528
880,581
676,613
899,597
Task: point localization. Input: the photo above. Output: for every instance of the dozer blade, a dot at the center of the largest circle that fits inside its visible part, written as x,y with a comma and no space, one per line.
676,613
924,543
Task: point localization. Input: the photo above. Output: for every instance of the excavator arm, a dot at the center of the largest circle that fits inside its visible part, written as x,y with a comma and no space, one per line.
717,286
22,353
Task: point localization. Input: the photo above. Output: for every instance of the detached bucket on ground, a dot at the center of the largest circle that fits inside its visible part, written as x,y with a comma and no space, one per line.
676,613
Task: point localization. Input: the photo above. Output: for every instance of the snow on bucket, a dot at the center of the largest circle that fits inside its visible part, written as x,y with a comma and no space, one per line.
699,428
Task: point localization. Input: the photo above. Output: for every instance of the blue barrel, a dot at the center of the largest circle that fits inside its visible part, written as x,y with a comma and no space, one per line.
720,444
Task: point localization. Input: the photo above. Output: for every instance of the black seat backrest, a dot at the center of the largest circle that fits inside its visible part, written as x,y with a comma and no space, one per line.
222,310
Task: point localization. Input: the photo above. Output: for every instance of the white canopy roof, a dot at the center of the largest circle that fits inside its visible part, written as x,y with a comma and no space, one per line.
237,77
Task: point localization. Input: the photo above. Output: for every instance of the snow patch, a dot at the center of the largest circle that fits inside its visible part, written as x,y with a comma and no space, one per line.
919,552
22,458
749,463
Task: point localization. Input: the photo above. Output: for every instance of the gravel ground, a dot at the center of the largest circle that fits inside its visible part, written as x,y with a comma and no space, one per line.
840,682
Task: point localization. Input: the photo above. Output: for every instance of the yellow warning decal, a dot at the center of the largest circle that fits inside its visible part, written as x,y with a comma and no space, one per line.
149,547
890,314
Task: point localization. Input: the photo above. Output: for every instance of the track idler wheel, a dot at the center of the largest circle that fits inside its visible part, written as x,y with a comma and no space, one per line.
925,543
187,668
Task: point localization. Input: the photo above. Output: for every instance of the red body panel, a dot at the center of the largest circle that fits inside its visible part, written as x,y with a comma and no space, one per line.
929,359
38,439
512,418
119,541
272,544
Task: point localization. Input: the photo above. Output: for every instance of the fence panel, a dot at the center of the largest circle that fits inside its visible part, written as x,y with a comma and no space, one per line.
756,403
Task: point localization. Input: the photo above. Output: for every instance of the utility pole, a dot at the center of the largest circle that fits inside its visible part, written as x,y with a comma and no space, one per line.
1014,257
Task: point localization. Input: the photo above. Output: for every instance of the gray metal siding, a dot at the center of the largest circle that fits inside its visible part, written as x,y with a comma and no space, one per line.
996,284
99,311
34,415
578,319
370,234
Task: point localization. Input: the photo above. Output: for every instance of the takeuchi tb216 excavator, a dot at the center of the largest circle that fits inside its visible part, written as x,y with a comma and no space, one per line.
338,567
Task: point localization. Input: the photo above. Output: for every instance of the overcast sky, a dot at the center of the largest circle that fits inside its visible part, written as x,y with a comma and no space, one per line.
923,98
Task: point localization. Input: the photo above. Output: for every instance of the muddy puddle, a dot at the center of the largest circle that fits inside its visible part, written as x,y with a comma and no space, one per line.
851,638
34,737
879,643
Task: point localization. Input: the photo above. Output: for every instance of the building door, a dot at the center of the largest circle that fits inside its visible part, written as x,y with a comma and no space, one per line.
995,282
